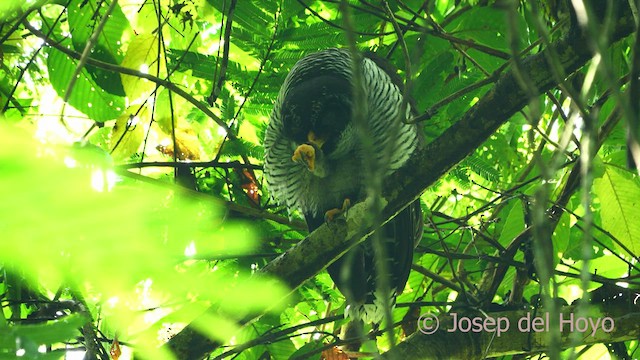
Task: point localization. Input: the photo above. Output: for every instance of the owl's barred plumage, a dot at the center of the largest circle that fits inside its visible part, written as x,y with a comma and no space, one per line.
314,160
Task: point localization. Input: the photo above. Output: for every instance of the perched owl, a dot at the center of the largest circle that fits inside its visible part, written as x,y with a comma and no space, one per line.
315,159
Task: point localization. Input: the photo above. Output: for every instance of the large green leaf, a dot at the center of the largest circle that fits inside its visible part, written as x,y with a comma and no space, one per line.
49,332
112,243
619,195
24,340
83,22
485,25
86,95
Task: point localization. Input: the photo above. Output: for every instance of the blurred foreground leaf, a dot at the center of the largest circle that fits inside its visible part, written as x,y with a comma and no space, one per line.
134,246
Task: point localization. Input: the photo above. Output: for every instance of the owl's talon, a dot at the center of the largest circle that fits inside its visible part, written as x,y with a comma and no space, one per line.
331,214
305,154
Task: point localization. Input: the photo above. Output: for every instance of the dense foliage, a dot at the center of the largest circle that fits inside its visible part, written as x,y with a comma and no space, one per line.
132,207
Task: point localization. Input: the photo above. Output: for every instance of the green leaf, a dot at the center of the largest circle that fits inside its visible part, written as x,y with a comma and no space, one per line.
485,25
311,347
107,80
9,9
481,167
562,233
51,332
619,195
241,146
118,242
514,224
83,21
86,95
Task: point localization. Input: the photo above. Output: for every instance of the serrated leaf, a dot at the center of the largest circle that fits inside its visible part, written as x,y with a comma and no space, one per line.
619,195
241,146
462,178
481,167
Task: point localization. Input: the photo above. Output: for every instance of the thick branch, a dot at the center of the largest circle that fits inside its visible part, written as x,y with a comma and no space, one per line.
327,243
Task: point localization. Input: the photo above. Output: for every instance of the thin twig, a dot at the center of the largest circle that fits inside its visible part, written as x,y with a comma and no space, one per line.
633,117
334,25
127,71
35,54
94,347
472,44
371,169
416,15
407,62
271,337
195,164
255,79
456,95
215,92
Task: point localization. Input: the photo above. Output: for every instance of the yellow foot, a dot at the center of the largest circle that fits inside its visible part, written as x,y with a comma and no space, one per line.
333,213
305,154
